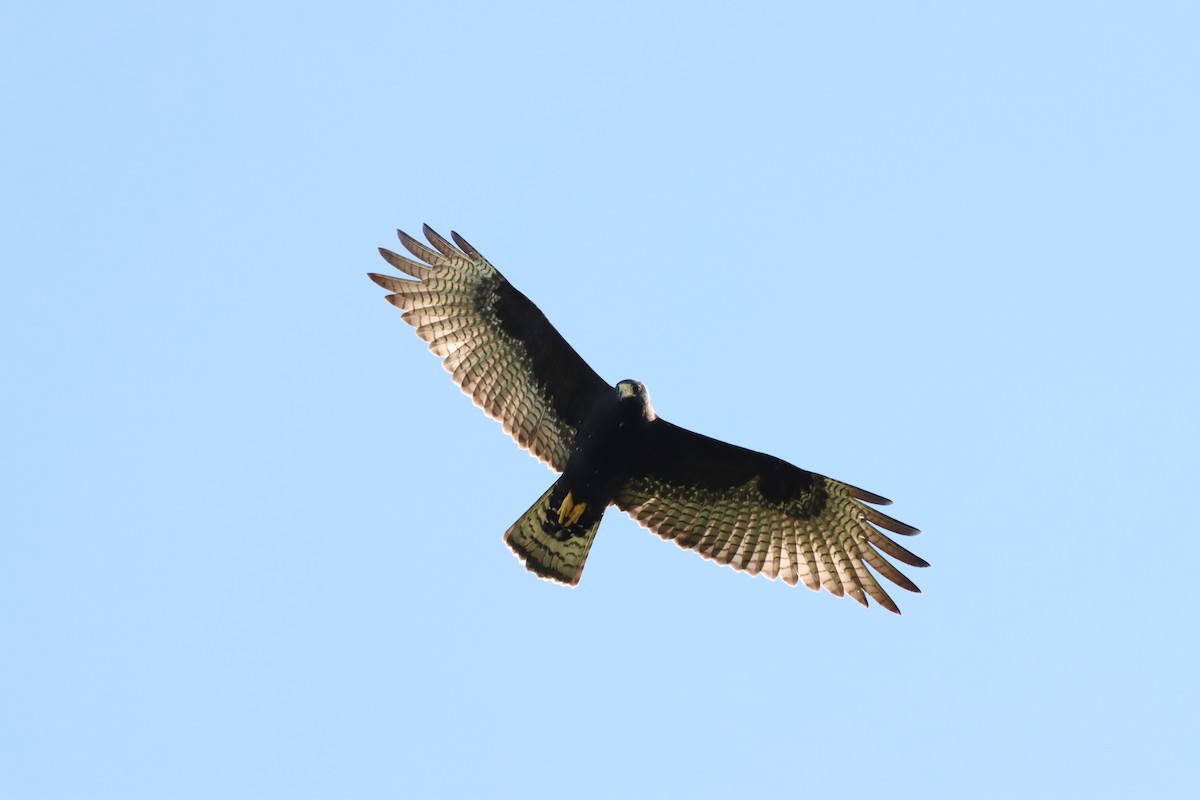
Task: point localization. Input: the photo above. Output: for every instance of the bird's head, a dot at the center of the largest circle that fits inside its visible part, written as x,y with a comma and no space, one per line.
636,392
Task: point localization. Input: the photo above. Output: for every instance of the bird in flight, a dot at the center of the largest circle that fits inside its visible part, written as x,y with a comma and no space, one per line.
745,509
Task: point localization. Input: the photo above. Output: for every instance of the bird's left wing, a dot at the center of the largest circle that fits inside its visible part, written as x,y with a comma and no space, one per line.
500,349
759,514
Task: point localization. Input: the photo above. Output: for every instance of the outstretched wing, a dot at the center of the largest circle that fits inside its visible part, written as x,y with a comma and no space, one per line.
501,350
759,514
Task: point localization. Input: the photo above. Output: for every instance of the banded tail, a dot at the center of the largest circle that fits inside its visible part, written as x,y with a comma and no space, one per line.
554,536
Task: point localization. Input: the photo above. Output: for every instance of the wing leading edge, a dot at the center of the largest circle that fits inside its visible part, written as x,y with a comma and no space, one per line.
498,346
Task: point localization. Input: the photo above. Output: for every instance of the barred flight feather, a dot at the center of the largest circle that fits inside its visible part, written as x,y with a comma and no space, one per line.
499,348
740,528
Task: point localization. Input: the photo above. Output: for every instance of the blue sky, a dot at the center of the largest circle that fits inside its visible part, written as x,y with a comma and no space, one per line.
252,532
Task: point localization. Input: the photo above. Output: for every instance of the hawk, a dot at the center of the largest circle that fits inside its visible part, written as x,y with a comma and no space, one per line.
745,509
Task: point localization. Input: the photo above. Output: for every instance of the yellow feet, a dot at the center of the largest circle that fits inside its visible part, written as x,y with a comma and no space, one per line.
570,511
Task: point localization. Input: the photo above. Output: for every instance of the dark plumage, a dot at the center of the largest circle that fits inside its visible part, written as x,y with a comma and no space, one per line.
749,510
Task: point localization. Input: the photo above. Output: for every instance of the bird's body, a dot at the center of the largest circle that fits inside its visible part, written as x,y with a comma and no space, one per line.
749,510
554,537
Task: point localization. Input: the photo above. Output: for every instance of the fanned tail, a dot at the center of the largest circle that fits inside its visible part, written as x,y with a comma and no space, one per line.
554,536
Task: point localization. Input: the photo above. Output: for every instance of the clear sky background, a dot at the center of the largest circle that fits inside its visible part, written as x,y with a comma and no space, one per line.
252,531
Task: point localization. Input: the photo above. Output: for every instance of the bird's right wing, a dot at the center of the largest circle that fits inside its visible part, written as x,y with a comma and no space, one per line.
501,350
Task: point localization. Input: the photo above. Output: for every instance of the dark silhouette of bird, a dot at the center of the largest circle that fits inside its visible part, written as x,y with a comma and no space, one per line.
748,510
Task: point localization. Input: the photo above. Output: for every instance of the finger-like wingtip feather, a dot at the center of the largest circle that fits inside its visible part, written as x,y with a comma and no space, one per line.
884,599
406,265
877,538
443,247
419,250
868,497
464,245
888,523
